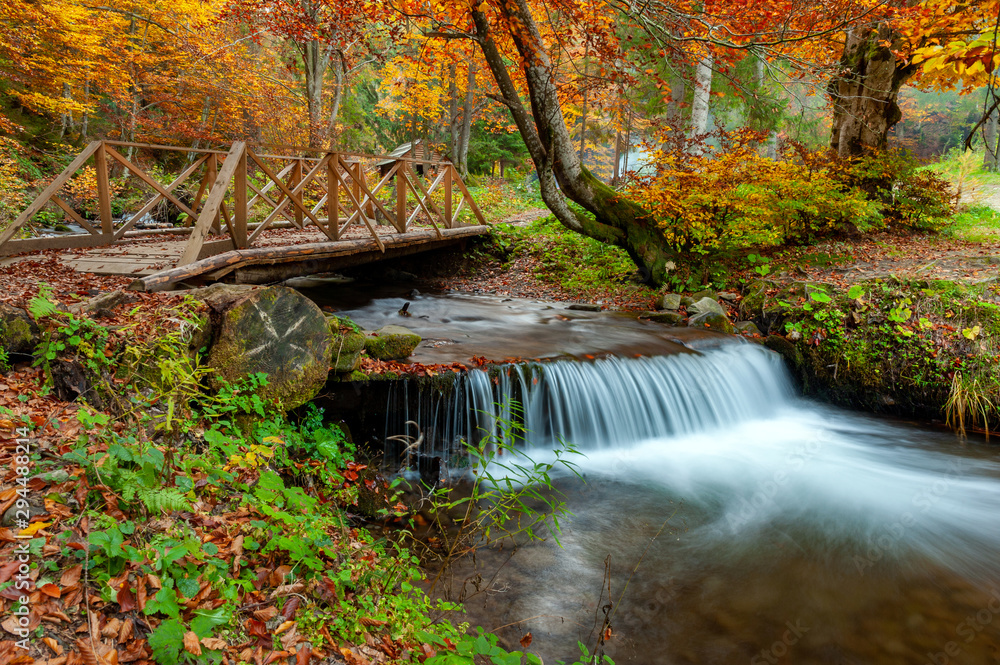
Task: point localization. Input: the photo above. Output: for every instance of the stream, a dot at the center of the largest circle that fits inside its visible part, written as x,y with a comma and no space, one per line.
732,521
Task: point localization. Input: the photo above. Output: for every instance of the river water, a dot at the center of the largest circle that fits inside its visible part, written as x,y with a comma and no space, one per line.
728,520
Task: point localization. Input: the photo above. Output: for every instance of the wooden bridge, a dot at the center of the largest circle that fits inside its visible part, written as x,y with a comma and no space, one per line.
255,217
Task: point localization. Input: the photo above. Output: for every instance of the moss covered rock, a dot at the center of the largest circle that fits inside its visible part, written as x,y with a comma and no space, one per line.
18,333
391,343
669,317
346,345
712,320
275,331
705,305
670,301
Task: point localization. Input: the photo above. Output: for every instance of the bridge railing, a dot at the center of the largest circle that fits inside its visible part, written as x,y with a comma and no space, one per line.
332,191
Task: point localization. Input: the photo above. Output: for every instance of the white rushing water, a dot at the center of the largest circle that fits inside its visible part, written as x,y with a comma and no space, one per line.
759,527
724,433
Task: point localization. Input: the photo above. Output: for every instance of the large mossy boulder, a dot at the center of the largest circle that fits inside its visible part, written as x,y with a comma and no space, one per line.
275,331
713,321
347,344
18,333
391,343
705,305
671,301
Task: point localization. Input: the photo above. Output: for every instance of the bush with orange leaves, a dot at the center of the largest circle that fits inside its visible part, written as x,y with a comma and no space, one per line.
731,197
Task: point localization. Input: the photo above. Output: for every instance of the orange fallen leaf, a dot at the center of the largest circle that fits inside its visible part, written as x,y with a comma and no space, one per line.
191,644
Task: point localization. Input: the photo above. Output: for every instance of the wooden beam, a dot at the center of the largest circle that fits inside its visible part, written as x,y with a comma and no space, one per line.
72,214
173,148
293,184
448,219
159,197
212,204
472,202
213,175
358,210
260,228
74,241
371,197
240,202
139,173
283,187
221,264
426,201
333,197
400,220
104,192
49,192
267,187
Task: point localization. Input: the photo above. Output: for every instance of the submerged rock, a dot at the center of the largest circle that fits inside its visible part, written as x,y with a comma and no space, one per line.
391,343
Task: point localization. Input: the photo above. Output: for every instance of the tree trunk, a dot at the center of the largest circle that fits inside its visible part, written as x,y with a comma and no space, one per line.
769,147
864,94
67,117
583,116
616,219
463,143
338,95
453,130
85,120
699,105
617,158
990,132
315,59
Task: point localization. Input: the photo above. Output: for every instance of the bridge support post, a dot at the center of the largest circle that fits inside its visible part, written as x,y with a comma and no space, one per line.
447,195
333,196
104,194
213,203
240,202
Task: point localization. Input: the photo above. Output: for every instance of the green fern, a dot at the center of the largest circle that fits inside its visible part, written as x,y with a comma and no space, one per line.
165,499
42,304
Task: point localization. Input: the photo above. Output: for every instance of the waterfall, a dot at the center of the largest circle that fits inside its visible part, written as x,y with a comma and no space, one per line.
608,402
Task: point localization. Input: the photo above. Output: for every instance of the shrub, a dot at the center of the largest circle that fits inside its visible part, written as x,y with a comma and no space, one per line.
735,198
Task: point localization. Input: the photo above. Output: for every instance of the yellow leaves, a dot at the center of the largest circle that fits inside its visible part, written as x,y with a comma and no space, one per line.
254,456
34,528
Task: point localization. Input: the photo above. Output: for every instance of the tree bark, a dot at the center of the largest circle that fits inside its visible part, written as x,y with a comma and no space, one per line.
613,218
990,132
463,143
702,92
338,96
453,130
865,93
85,120
315,60
769,147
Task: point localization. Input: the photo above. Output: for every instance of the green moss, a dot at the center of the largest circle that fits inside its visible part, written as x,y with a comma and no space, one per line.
896,348
391,343
357,376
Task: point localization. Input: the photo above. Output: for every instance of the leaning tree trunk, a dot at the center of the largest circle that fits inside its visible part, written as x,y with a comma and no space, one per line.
864,94
990,132
613,218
